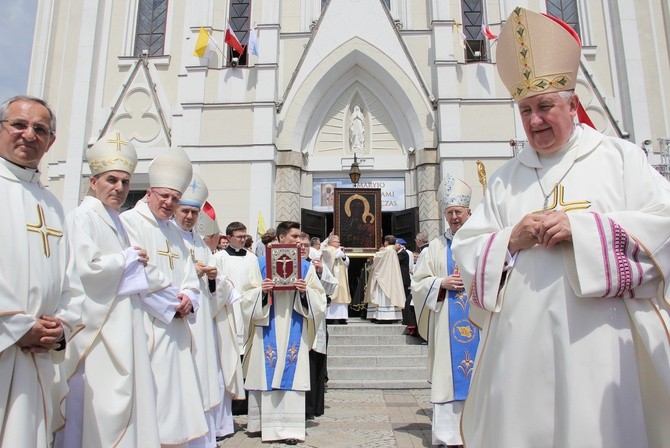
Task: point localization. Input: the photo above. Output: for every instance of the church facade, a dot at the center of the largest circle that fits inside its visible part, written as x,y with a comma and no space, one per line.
407,87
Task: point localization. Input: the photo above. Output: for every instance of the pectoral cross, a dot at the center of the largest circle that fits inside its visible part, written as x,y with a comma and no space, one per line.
558,200
168,253
44,230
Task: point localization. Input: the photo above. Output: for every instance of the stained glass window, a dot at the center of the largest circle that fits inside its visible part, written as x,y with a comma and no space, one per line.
151,22
566,10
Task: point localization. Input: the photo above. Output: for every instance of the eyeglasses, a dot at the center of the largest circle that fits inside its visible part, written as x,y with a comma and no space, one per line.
239,237
39,130
167,197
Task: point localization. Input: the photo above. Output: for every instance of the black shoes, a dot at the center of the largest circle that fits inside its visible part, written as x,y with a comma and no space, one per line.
291,441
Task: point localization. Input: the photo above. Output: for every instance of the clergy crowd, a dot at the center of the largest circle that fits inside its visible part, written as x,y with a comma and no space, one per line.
545,308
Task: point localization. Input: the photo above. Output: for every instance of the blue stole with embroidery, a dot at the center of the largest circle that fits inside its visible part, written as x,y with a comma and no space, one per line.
464,336
270,338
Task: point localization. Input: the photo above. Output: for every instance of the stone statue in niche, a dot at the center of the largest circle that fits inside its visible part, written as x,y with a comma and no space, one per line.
357,130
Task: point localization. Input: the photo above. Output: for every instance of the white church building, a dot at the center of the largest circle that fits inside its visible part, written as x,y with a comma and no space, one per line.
408,87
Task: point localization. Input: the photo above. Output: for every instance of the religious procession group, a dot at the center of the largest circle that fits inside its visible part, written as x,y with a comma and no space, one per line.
121,329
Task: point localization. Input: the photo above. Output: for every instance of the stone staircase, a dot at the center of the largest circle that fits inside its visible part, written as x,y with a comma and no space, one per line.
363,355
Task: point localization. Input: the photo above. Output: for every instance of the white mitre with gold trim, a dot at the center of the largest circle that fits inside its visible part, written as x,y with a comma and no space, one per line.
536,55
171,170
453,192
196,193
112,152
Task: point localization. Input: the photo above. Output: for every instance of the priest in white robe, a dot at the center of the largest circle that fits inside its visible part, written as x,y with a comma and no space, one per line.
235,262
169,310
442,308
39,288
318,355
385,294
231,382
112,401
204,346
568,255
277,363
334,257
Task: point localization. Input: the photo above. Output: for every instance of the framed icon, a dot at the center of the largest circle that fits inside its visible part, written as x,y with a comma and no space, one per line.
357,219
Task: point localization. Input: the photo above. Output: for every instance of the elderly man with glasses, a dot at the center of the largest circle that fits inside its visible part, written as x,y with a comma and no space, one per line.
38,284
172,301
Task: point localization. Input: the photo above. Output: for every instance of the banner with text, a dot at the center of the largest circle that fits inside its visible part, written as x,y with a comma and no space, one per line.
393,192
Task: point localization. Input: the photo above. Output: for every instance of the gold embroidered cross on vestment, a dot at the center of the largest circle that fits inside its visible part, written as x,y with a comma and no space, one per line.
44,230
168,253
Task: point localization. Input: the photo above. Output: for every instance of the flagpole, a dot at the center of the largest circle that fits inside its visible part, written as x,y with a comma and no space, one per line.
214,42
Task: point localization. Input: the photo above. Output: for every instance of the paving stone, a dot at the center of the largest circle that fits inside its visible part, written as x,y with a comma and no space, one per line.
367,418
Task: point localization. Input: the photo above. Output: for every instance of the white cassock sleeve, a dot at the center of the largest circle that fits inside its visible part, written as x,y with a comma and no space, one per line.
161,304
134,280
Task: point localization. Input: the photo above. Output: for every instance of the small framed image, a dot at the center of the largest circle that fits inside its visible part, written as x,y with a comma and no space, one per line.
283,264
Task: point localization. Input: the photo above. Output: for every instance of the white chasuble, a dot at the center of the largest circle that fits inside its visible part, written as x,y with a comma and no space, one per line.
385,294
452,339
180,409
574,348
284,327
333,259
118,402
433,322
330,285
37,278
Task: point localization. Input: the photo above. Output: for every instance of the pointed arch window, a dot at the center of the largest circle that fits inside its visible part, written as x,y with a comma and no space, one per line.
240,15
566,10
151,26
473,17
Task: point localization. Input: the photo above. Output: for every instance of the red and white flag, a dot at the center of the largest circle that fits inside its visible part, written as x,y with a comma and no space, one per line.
232,40
486,32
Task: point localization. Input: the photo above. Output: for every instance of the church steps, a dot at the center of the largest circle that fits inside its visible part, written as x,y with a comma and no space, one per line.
363,355
379,384
373,361
380,373
377,350
379,339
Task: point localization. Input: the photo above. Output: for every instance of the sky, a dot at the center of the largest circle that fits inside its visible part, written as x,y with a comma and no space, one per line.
17,27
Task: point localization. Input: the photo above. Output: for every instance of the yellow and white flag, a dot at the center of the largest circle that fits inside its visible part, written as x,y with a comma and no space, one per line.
201,44
262,228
